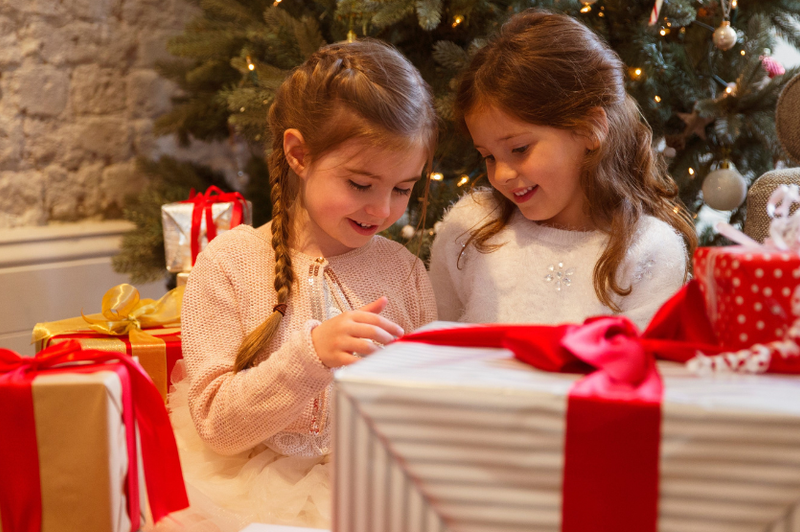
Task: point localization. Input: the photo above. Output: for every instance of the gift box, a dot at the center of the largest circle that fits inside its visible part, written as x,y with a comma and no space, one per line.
82,435
191,224
749,292
143,328
453,438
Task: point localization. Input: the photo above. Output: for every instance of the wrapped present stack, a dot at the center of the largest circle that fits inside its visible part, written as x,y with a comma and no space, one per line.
191,224
83,432
142,328
692,425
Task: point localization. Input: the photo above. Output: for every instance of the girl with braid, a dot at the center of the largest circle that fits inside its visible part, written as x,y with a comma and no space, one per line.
268,313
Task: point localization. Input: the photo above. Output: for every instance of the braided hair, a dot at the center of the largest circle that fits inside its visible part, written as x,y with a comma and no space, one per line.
365,89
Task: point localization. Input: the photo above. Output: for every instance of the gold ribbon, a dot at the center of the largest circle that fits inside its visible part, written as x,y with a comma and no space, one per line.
124,313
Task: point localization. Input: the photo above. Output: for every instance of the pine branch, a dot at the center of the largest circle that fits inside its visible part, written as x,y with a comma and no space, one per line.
450,55
229,10
429,13
392,12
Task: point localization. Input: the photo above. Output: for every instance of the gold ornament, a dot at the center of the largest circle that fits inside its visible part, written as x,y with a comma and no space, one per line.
351,36
725,37
724,189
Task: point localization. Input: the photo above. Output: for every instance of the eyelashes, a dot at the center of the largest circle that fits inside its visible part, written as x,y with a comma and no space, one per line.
364,188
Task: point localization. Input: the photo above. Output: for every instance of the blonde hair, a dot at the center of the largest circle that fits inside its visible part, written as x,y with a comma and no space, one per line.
365,89
549,69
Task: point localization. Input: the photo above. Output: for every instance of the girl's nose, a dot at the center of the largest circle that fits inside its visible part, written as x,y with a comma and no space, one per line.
379,207
504,172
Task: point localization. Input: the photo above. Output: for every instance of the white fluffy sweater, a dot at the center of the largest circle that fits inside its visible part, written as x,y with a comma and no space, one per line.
545,275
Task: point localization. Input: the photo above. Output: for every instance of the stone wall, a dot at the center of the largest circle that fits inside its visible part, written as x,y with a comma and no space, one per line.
78,96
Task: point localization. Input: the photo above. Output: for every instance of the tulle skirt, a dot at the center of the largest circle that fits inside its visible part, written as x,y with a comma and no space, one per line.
227,493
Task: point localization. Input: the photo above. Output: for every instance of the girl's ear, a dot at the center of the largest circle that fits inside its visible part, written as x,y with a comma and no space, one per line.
294,148
598,129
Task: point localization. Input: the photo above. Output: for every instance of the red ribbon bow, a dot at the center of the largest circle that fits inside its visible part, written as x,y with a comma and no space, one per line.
614,413
20,495
202,204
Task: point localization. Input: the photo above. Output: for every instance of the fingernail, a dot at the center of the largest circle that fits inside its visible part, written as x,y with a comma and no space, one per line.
402,332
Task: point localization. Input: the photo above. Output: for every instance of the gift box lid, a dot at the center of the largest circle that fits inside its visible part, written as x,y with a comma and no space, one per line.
453,438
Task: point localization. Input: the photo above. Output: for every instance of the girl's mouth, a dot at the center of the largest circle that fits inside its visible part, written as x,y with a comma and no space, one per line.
524,194
363,229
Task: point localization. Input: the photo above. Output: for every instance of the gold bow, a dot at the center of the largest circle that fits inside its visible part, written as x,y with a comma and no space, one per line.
124,312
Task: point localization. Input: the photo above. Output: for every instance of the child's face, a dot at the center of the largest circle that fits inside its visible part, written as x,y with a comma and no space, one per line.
353,192
536,167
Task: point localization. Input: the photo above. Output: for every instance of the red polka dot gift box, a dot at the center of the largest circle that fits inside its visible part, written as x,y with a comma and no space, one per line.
749,293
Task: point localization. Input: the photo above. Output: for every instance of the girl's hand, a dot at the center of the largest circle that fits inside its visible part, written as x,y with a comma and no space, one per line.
336,339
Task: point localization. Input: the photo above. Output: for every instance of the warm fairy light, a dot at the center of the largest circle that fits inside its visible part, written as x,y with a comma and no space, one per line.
657,98
729,90
241,109
463,181
586,8
734,4
742,52
691,171
437,176
663,31
275,3
638,72
458,19
251,66
601,14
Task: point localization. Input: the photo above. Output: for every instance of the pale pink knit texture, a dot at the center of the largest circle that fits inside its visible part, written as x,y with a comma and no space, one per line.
230,292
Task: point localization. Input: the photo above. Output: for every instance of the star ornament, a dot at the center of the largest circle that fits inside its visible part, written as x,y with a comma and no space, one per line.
695,124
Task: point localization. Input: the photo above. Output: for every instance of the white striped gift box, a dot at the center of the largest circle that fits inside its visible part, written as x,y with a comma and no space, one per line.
435,439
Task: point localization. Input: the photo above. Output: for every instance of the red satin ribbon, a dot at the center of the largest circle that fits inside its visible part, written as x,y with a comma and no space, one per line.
202,205
20,495
614,413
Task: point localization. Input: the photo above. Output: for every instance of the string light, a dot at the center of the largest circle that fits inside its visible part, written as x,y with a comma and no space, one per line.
691,171
458,19
635,73
734,4
586,8
730,88
742,52
241,109
437,176
275,3
657,98
663,31
463,181
601,14
250,64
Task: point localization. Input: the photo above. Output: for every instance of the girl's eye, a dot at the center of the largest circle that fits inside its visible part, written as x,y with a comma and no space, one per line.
402,191
488,158
521,149
360,188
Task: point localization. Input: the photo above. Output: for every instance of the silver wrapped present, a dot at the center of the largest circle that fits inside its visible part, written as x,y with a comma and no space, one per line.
226,210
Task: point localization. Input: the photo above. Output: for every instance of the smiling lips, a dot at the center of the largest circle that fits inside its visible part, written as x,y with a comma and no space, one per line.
363,229
524,194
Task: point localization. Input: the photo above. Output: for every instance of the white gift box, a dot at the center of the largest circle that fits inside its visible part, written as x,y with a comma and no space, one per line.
176,220
431,438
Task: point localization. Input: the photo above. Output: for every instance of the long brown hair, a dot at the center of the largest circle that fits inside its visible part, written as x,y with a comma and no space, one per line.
551,70
365,89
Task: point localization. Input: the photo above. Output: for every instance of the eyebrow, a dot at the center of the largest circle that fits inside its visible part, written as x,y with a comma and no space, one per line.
373,176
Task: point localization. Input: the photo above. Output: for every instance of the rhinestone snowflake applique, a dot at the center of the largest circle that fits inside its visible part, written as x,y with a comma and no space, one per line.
559,276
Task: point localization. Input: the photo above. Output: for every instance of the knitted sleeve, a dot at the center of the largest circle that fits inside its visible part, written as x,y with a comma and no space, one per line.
235,411
657,270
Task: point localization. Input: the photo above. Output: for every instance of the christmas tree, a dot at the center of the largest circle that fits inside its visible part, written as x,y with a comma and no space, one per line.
700,69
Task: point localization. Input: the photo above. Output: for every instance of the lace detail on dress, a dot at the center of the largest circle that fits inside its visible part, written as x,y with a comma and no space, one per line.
297,444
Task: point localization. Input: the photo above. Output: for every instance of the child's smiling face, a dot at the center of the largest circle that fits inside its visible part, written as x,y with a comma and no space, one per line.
351,193
536,167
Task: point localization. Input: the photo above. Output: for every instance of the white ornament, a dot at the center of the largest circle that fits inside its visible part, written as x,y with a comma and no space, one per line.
724,189
725,37
407,232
